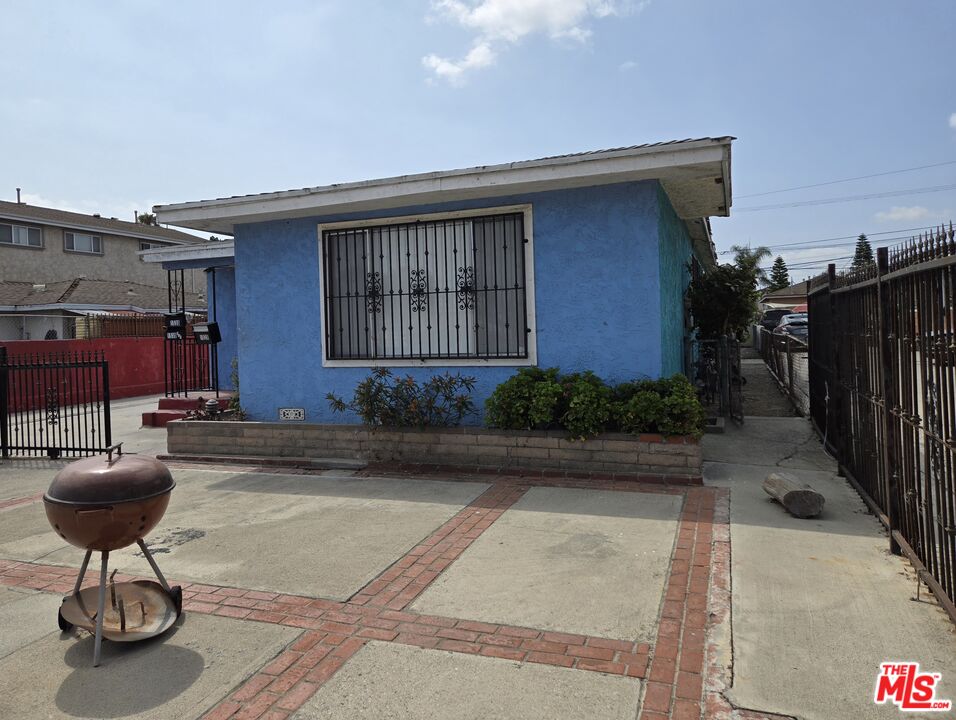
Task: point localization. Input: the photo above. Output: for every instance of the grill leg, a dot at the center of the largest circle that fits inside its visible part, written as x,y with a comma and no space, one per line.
100,609
152,564
79,578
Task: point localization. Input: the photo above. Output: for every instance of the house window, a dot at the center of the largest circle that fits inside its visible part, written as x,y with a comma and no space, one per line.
149,245
438,289
80,242
21,235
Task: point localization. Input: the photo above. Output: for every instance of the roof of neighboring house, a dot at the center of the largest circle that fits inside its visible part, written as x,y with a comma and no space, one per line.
695,174
87,294
796,290
79,221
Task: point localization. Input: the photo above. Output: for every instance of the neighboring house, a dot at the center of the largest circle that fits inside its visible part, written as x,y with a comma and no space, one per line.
577,261
57,311
39,245
787,297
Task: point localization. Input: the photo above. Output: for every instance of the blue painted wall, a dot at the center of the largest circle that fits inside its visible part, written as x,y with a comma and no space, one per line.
226,317
597,293
676,250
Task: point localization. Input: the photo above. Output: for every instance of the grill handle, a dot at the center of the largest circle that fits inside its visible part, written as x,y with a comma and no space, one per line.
118,447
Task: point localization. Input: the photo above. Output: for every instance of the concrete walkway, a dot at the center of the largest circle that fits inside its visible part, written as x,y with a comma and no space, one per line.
817,604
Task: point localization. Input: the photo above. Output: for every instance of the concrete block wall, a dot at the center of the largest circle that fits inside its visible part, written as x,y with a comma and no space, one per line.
609,454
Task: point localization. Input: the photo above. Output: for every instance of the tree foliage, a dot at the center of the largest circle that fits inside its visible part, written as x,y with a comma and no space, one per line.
779,275
146,218
723,300
863,255
749,259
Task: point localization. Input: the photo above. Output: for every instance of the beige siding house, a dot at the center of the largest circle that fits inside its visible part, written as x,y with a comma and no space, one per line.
45,245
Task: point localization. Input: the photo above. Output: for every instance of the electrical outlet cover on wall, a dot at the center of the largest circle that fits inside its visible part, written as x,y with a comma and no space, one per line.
292,413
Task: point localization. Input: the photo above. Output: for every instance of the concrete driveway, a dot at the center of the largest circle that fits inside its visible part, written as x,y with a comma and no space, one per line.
342,595
335,595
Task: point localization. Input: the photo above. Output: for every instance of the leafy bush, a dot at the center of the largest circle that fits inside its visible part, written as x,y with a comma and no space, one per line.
588,403
383,399
585,406
528,400
642,412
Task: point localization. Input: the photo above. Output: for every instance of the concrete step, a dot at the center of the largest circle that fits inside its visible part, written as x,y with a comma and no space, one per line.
270,461
161,417
191,403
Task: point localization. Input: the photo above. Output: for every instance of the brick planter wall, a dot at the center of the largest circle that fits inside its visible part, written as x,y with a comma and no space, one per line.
651,457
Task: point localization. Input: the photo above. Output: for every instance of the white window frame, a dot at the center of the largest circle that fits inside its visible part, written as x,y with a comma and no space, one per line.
13,232
532,344
98,238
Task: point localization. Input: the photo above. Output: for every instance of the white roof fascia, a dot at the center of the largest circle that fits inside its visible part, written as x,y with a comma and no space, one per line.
206,251
489,181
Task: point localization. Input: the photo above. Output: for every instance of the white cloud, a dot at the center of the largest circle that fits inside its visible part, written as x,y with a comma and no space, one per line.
481,55
914,212
627,66
498,23
952,121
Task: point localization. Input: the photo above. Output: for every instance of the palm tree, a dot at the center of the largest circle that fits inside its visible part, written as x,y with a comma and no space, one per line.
748,258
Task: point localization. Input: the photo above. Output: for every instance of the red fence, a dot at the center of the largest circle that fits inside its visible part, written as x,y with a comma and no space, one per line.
136,364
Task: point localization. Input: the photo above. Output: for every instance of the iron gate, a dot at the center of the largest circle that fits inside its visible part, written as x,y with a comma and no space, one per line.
54,404
718,378
187,365
883,395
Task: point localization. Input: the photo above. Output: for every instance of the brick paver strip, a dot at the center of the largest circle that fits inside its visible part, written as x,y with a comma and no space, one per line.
18,501
335,631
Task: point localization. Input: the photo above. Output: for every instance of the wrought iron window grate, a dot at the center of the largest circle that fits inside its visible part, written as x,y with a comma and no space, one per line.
441,289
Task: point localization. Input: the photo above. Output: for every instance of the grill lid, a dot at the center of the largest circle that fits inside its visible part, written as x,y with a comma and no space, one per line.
108,479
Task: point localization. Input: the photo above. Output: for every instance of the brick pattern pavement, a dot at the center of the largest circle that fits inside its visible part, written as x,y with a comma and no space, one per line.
673,667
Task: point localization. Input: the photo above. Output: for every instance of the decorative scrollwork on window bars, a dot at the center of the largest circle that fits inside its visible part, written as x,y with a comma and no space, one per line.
467,291
418,286
373,292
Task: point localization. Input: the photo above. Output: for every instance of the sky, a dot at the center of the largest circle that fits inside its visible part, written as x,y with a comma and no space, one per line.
114,107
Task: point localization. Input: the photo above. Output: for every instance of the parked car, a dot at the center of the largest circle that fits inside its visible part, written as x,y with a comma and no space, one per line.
795,325
770,318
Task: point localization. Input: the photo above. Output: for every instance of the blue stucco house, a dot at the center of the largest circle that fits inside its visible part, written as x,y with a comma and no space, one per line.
578,261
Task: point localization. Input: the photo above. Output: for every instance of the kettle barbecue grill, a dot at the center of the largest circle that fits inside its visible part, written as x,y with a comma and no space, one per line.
106,503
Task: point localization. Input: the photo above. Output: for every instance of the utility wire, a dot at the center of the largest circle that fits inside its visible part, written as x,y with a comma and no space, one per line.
835,182
842,237
850,198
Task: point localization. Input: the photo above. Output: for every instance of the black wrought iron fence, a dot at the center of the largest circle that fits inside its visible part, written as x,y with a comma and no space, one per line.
718,379
54,404
883,395
189,366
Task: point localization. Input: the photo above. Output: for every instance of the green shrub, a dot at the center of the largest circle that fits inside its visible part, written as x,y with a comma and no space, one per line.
683,413
642,412
528,400
386,400
587,405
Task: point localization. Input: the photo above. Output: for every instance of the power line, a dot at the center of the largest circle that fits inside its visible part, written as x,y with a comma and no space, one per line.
835,182
850,198
842,237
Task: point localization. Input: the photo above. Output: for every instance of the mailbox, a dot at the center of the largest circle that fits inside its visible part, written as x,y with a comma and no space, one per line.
206,333
175,326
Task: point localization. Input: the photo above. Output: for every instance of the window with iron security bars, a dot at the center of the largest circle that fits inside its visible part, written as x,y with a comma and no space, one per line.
443,289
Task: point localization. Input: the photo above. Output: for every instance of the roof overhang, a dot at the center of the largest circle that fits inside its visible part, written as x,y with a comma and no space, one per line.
695,175
223,249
